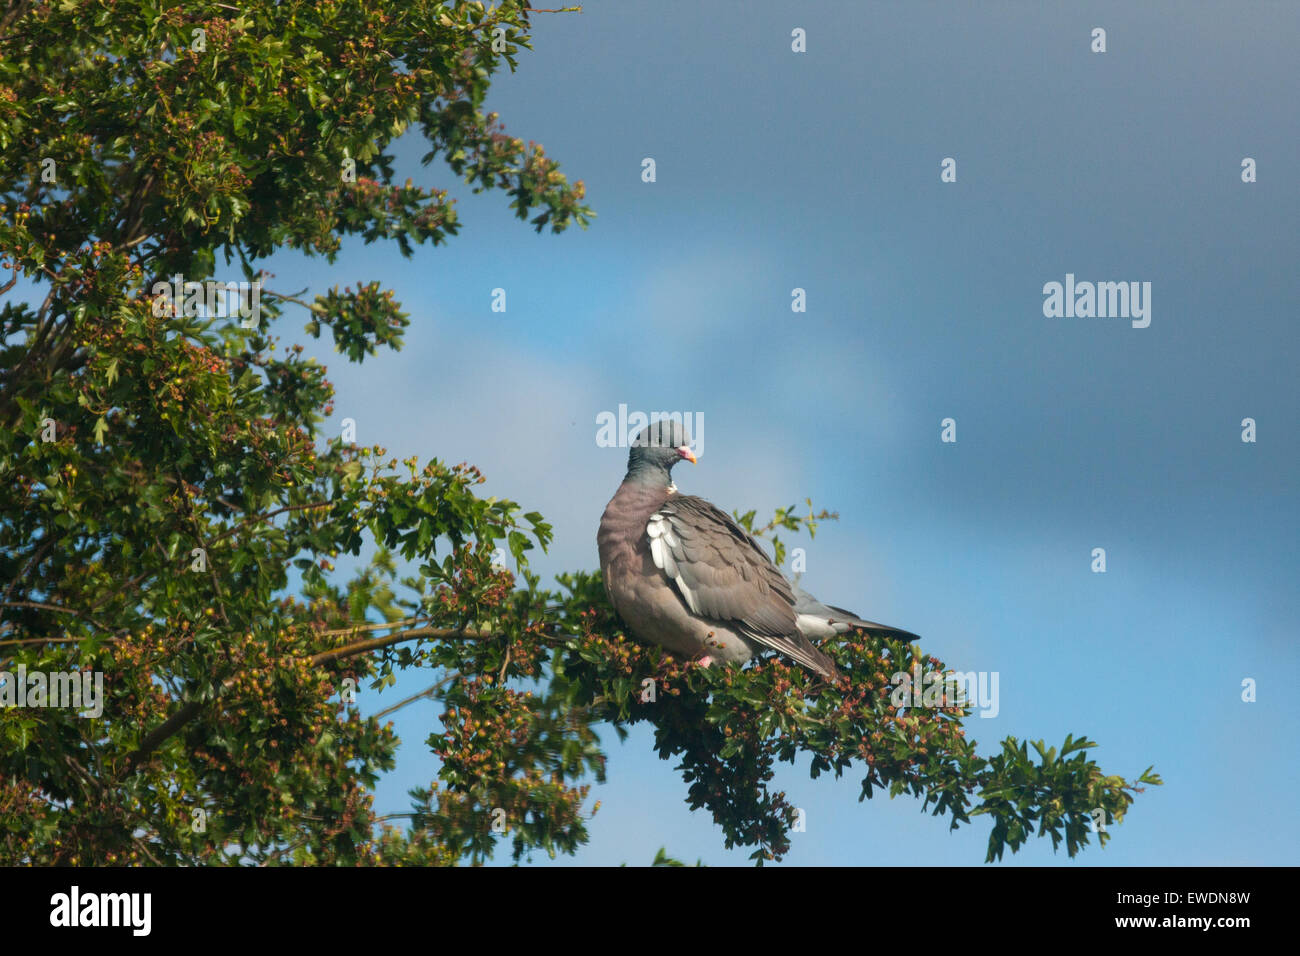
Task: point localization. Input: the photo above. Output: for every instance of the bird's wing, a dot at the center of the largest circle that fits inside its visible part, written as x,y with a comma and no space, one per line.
723,575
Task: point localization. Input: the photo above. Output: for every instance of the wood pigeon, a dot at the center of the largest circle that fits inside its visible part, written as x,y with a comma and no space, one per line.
682,574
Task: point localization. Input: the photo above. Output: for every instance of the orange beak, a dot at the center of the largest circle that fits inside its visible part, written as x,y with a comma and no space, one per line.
687,454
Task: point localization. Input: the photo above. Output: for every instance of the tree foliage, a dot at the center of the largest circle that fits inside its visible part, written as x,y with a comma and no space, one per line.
173,508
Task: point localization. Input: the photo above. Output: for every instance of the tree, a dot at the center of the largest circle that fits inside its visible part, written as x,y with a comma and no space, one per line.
168,471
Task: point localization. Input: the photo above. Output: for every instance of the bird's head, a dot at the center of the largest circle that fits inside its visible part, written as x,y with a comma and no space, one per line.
657,448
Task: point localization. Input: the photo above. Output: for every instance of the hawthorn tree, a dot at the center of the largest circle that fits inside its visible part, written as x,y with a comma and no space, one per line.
166,474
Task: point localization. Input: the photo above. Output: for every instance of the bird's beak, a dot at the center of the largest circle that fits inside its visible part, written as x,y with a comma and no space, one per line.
687,454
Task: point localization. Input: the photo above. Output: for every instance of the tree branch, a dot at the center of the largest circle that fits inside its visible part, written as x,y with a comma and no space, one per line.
266,517
189,711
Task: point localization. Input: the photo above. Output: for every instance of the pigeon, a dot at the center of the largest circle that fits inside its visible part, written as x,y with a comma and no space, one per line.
682,574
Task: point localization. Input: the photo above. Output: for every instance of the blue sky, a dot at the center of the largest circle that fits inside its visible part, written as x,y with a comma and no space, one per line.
821,170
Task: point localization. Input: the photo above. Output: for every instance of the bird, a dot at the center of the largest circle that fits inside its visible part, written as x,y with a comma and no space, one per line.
684,575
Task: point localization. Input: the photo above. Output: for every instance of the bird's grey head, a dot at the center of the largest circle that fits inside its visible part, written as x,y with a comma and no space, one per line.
656,449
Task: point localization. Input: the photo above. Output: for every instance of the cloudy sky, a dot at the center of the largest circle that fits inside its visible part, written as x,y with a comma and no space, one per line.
821,170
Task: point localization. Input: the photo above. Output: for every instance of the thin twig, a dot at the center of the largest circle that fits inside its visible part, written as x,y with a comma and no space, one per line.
359,628
427,692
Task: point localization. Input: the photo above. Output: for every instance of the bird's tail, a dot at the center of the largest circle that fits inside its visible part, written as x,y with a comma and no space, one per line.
848,617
